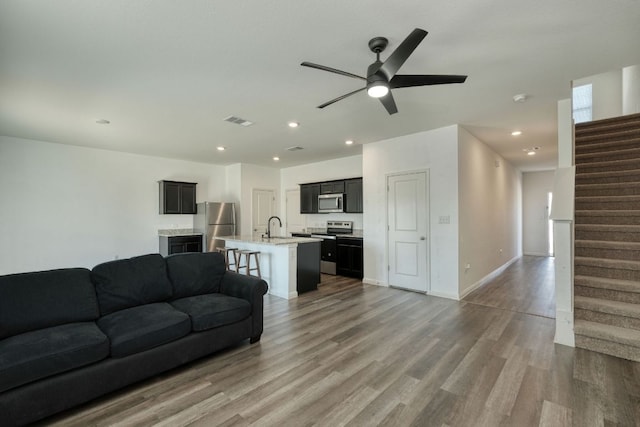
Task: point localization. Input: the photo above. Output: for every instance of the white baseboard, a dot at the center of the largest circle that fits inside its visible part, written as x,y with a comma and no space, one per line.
374,282
564,328
544,254
495,273
443,295
290,295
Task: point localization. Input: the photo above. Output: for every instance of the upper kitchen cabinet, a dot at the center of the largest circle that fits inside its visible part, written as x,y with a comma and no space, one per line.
353,195
332,187
177,197
309,198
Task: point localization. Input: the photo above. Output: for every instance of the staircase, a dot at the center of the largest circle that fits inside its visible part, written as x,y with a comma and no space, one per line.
607,237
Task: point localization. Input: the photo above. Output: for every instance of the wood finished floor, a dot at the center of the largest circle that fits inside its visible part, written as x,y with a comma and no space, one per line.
360,355
526,286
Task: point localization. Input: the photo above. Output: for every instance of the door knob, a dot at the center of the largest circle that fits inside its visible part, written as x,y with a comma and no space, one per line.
423,238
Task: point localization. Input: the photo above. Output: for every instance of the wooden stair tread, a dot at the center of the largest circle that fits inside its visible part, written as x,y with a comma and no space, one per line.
625,228
605,244
618,308
607,185
630,337
629,198
607,283
608,213
608,173
621,264
628,152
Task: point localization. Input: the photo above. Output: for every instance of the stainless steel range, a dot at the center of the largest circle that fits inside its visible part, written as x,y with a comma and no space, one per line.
329,252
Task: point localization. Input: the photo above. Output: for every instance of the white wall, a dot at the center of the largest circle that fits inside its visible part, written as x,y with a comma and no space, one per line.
346,167
606,93
631,90
489,197
67,206
436,151
535,229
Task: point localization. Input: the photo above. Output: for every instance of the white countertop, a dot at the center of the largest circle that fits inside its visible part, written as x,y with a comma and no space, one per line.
271,241
173,232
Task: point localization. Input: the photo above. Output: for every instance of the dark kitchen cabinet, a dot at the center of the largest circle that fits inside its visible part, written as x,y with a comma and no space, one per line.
177,197
309,198
349,257
170,245
353,195
332,187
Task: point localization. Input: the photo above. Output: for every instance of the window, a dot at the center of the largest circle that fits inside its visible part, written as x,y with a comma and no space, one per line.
582,103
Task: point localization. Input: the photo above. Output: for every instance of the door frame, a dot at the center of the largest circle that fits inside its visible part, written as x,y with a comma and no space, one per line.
274,201
287,220
427,225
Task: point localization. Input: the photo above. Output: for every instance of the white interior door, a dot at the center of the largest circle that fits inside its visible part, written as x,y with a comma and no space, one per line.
295,220
263,206
408,240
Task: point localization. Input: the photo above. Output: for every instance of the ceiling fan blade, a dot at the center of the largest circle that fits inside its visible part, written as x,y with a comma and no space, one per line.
340,98
332,70
408,80
389,103
393,63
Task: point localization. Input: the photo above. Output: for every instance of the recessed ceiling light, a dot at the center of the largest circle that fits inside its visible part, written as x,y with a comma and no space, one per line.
348,142
516,133
531,151
521,97
103,121
276,158
294,124
221,148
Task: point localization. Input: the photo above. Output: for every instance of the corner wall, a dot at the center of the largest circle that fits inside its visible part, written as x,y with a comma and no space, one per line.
436,151
490,220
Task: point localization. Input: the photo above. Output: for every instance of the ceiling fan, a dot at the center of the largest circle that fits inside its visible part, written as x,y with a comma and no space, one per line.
382,77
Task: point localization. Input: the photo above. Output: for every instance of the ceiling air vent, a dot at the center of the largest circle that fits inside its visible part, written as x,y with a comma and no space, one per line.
296,148
238,121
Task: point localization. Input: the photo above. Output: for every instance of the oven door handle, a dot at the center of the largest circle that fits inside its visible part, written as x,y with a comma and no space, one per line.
322,236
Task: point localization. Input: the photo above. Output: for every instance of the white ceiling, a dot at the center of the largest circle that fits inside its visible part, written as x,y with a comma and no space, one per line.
166,73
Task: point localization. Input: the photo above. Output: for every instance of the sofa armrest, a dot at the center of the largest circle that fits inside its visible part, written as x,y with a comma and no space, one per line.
248,288
242,286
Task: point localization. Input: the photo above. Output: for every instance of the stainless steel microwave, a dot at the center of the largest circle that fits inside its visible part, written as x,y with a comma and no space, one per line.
328,203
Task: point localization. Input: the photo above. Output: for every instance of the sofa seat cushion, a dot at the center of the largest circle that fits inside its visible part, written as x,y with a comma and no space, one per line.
136,329
213,310
38,354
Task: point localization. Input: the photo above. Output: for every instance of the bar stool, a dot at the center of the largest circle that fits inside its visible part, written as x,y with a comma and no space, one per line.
247,262
225,252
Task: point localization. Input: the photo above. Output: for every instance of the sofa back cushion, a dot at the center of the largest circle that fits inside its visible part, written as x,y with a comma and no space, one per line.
43,299
130,282
195,273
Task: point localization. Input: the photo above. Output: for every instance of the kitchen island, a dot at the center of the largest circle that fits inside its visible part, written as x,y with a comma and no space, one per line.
289,265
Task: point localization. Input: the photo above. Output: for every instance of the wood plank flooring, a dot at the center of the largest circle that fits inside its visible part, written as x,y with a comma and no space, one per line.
359,355
526,286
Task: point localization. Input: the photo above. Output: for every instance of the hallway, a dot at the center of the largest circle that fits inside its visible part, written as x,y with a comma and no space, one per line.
526,286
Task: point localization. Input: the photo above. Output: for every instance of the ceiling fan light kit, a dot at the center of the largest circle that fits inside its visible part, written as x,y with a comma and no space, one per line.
377,89
382,77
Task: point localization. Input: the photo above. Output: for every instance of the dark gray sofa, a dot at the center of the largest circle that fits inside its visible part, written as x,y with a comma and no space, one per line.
68,336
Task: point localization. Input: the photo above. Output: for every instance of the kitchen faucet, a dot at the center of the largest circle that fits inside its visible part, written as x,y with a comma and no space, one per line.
269,225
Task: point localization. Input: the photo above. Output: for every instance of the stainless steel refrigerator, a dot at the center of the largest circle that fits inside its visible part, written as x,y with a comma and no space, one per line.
214,220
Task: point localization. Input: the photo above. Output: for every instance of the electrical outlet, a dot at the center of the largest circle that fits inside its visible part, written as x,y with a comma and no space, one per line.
444,219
